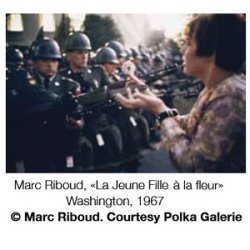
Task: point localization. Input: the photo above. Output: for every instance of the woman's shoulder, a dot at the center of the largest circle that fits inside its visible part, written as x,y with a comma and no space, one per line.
234,86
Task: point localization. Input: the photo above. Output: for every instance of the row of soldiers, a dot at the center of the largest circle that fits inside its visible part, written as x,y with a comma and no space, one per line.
46,128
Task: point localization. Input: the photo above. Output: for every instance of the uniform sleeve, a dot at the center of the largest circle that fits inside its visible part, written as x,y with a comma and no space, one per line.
211,142
105,80
76,88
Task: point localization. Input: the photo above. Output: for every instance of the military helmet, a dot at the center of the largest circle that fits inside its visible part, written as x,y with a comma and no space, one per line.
158,60
14,56
117,47
128,54
106,55
135,53
77,41
46,48
145,57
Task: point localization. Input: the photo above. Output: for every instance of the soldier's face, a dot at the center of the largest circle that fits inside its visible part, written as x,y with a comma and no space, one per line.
110,68
137,61
46,67
195,65
121,60
78,59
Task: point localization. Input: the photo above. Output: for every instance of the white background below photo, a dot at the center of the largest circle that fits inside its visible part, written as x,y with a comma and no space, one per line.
233,197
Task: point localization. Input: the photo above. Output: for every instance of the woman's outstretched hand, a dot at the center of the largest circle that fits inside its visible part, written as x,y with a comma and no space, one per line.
146,100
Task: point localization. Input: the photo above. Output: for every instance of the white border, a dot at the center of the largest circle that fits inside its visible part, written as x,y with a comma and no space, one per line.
234,197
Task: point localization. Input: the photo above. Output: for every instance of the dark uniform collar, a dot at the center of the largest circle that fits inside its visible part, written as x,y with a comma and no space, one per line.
84,71
42,78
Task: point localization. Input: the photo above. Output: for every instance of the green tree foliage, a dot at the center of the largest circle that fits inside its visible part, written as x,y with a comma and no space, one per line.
100,30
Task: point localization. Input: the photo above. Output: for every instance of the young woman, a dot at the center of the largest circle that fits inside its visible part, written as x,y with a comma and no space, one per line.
211,138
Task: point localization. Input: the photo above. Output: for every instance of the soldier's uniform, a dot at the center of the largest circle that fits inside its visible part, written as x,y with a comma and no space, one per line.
23,97
133,127
105,137
58,84
13,107
29,108
74,151
64,144
91,78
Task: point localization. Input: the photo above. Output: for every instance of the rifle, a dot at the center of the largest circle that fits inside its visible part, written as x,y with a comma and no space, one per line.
153,76
183,87
104,98
158,74
99,99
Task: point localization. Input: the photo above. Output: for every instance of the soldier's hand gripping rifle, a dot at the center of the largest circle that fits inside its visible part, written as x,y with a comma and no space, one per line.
146,78
99,99
76,106
49,105
103,98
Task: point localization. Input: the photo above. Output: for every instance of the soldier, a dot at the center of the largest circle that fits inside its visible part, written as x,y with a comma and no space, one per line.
137,61
107,58
65,145
133,127
105,138
46,56
158,62
119,50
14,60
121,56
77,48
27,107
146,63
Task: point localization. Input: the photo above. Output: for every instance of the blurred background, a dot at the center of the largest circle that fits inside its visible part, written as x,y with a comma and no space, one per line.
130,29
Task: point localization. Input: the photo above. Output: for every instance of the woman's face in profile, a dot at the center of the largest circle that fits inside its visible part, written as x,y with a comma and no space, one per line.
193,64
